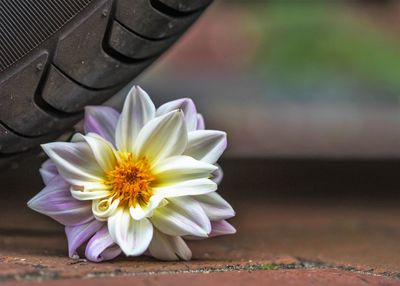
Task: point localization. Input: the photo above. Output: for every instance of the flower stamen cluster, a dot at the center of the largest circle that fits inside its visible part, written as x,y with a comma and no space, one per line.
130,181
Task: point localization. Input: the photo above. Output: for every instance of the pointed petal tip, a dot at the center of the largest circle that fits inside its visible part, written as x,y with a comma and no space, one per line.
34,203
136,90
176,112
31,204
45,147
229,229
221,227
221,133
139,88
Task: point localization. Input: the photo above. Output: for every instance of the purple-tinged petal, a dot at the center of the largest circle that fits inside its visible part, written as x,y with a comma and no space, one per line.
188,108
182,216
103,151
217,175
55,201
218,228
137,111
200,122
101,247
215,207
166,247
221,227
101,120
206,145
79,234
75,162
48,171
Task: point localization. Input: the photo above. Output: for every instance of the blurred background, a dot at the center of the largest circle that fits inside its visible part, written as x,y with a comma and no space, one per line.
291,78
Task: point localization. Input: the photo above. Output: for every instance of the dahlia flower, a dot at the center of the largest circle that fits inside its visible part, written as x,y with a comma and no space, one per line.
139,182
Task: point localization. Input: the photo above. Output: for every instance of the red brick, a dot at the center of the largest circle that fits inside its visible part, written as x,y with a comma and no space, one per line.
266,278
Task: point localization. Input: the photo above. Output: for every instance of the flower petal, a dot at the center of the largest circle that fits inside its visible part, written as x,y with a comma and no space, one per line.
181,168
188,108
103,151
218,228
139,212
48,171
182,216
131,235
101,246
200,122
75,162
137,111
206,145
101,120
104,208
162,137
90,192
186,188
221,227
166,247
55,201
215,206
78,234
217,175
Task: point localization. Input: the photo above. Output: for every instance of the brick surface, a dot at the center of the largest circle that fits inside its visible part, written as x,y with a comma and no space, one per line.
287,235
325,277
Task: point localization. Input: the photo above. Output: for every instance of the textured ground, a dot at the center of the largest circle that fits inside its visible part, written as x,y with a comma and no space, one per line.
299,222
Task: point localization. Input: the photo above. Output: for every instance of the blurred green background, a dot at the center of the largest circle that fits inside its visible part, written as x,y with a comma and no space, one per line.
292,78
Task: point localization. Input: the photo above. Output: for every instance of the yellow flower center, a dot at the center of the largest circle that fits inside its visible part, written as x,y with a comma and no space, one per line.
131,181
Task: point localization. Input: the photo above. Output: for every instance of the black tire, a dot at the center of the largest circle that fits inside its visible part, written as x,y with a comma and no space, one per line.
56,56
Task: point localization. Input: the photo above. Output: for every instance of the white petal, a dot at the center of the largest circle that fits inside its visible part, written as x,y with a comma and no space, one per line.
103,151
188,108
206,145
182,216
137,111
217,175
215,206
104,208
75,162
92,192
139,212
166,247
162,137
133,236
101,120
181,168
186,188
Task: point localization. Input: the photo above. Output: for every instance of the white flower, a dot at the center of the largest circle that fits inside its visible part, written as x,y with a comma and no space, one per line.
140,180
